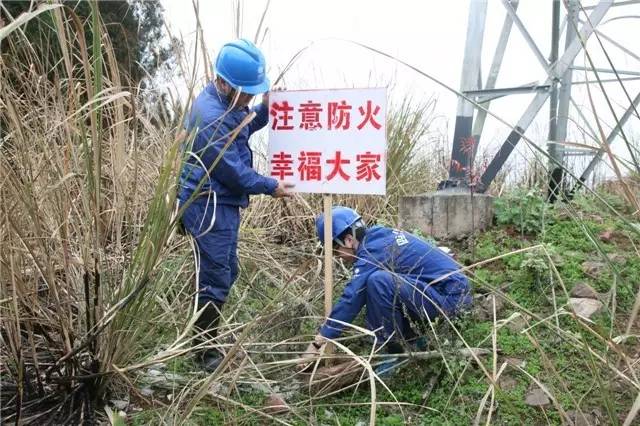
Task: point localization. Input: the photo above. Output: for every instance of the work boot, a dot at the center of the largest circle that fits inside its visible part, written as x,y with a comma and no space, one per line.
210,358
414,344
390,365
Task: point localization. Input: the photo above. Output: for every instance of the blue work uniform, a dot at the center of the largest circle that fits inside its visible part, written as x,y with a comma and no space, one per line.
213,218
397,272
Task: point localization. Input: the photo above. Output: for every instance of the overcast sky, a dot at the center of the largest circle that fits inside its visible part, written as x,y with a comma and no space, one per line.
429,34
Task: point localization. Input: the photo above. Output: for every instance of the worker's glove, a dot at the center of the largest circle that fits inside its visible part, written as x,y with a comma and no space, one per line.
311,353
284,189
447,250
265,96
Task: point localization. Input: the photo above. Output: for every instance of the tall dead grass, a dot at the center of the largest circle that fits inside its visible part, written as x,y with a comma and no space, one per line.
85,195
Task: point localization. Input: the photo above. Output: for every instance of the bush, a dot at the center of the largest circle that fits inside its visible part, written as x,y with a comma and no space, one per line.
526,211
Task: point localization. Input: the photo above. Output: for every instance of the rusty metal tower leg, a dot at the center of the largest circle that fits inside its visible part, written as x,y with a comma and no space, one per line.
463,143
556,150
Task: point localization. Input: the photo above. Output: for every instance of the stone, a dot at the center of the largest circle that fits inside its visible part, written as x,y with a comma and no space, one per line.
585,291
483,306
584,418
606,235
518,324
480,314
275,404
537,398
593,268
450,213
119,404
507,383
515,362
147,392
488,303
585,308
618,386
617,258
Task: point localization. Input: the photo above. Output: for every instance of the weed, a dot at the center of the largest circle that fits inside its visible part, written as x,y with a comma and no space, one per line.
526,211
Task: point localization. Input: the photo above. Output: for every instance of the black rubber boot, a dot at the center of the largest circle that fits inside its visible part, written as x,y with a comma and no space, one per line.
209,359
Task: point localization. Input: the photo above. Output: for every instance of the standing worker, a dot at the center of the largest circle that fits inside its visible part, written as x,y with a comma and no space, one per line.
213,217
394,273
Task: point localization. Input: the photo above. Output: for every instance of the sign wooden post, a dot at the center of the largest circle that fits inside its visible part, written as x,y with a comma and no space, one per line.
328,263
328,253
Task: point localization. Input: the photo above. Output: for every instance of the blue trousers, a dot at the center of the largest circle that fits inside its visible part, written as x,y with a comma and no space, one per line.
216,248
389,296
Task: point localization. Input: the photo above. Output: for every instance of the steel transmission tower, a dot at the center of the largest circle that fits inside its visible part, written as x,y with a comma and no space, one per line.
579,24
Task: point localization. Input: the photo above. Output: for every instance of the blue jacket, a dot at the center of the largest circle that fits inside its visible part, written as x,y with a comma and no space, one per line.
233,178
387,249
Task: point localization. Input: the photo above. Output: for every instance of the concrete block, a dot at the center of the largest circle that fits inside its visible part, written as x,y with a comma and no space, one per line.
450,213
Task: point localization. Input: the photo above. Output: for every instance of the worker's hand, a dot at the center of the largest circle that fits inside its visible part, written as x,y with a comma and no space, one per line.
265,96
311,353
283,189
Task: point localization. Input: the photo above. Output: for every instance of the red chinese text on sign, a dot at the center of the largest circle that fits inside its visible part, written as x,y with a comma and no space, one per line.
310,167
281,165
339,115
310,115
281,114
368,115
338,162
367,168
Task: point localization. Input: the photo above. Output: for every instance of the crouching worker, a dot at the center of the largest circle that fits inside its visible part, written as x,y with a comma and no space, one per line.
398,276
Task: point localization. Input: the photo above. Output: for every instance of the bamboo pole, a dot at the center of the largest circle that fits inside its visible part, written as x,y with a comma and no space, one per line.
328,265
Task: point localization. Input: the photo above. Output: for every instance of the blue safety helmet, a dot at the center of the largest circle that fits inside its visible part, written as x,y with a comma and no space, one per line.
343,218
241,64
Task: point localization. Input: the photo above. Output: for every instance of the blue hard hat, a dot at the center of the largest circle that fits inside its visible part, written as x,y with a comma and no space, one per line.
241,64
343,218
